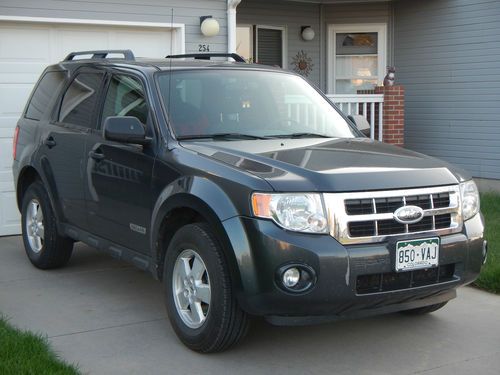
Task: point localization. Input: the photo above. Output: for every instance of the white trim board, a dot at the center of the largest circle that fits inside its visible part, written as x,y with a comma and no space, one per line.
333,29
179,29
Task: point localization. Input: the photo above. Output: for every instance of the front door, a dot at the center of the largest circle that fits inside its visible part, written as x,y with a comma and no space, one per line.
63,144
356,57
118,175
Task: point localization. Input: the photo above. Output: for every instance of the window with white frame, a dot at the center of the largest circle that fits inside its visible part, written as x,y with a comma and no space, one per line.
357,57
262,44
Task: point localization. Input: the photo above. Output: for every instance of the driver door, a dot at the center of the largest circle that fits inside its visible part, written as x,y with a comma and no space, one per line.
118,175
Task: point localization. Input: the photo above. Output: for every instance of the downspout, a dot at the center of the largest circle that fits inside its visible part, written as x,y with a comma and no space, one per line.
393,34
231,25
322,49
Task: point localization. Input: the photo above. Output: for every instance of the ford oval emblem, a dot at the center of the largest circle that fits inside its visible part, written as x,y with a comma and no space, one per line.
408,214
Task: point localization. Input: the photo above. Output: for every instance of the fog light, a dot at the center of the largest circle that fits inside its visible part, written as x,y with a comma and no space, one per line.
291,277
295,278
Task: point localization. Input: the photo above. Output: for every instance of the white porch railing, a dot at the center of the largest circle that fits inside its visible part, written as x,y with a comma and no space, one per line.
366,105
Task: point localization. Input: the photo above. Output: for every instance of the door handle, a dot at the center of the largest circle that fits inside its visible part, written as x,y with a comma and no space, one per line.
97,156
50,142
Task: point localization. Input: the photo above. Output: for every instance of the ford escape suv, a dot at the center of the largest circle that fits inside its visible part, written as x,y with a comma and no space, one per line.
241,188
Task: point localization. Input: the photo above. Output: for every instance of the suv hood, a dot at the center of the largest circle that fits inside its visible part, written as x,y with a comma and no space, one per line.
335,165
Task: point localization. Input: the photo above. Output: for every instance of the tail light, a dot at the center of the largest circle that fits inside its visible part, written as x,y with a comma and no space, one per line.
14,142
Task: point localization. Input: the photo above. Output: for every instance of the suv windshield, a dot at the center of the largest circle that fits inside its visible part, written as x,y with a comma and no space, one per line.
248,103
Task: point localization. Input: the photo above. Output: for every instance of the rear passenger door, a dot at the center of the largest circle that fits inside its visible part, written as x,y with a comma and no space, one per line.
63,143
118,188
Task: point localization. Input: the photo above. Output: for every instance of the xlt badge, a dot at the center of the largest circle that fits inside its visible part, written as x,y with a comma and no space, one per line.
137,228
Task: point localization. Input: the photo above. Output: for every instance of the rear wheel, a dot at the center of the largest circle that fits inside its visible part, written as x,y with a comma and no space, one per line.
425,310
43,244
200,299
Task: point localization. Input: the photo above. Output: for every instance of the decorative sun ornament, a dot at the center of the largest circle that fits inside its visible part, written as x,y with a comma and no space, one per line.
302,63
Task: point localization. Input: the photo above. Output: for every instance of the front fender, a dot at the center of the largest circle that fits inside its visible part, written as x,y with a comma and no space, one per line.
209,200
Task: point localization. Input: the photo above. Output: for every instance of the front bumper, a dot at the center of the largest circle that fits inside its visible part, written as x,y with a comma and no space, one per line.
261,248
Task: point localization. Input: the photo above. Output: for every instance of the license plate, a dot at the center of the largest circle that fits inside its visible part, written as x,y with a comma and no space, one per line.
417,254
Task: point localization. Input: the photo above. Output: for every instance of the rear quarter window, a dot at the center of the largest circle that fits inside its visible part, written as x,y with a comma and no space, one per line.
47,88
80,100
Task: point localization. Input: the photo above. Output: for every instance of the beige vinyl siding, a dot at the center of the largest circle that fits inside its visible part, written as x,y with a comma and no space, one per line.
186,12
447,55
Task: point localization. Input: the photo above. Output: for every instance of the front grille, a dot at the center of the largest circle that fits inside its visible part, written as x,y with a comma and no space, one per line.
369,216
384,205
386,282
441,200
359,206
362,228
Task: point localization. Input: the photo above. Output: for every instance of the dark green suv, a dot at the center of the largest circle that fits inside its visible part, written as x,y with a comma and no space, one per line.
241,188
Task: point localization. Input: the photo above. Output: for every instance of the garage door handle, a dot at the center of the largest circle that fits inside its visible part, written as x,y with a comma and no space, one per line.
97,156
50,142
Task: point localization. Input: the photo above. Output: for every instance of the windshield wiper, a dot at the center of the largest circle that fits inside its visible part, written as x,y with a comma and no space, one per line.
300,135
220,136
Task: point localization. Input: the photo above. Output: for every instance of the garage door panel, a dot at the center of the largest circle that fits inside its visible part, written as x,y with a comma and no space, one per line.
14,97
9,215
80,40
7,126
26,48
5,159
24,72
29,78
31,44
125,40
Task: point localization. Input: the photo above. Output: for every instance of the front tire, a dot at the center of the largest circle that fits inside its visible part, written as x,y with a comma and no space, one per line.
44,246
200,299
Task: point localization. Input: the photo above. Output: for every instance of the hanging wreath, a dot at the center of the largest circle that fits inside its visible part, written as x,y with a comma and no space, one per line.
302,63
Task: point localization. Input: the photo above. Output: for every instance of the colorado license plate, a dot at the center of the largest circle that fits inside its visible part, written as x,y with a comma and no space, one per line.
417,254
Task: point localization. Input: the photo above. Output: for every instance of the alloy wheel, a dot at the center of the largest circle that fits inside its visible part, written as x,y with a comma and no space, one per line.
35,225
191,288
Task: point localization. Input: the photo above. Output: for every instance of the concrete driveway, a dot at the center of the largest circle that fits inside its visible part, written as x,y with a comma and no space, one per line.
109,318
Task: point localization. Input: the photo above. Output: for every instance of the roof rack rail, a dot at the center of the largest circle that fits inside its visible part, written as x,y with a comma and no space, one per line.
102,54
208,56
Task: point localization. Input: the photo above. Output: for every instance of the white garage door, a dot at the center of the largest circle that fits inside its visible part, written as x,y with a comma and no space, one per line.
26,48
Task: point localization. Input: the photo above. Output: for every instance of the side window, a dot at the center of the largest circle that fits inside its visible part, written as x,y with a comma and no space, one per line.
47,88
125,97
79,101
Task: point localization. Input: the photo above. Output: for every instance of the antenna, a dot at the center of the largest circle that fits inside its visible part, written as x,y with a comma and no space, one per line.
170,70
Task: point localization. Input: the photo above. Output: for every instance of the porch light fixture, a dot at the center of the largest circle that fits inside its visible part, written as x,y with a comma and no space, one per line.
307,33
209,26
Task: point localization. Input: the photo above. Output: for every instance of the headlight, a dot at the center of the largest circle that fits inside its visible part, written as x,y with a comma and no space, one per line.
300,212
470,199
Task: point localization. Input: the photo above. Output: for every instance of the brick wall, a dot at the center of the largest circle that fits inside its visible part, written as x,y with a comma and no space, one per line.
394,113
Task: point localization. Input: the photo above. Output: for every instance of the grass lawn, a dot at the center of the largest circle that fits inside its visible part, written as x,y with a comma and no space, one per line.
24,353
490,275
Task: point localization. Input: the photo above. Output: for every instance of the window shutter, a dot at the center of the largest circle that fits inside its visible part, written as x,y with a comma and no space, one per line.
269,47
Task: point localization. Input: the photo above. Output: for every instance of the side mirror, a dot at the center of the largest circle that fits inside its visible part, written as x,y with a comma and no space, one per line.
361,123
125,129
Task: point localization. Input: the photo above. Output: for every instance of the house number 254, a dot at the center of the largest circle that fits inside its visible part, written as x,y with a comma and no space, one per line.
203,47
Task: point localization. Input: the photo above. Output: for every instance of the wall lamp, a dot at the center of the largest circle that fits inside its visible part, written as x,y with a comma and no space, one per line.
307,33
209,26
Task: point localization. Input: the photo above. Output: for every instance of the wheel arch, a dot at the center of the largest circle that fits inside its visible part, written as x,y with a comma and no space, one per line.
27,176
179,207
